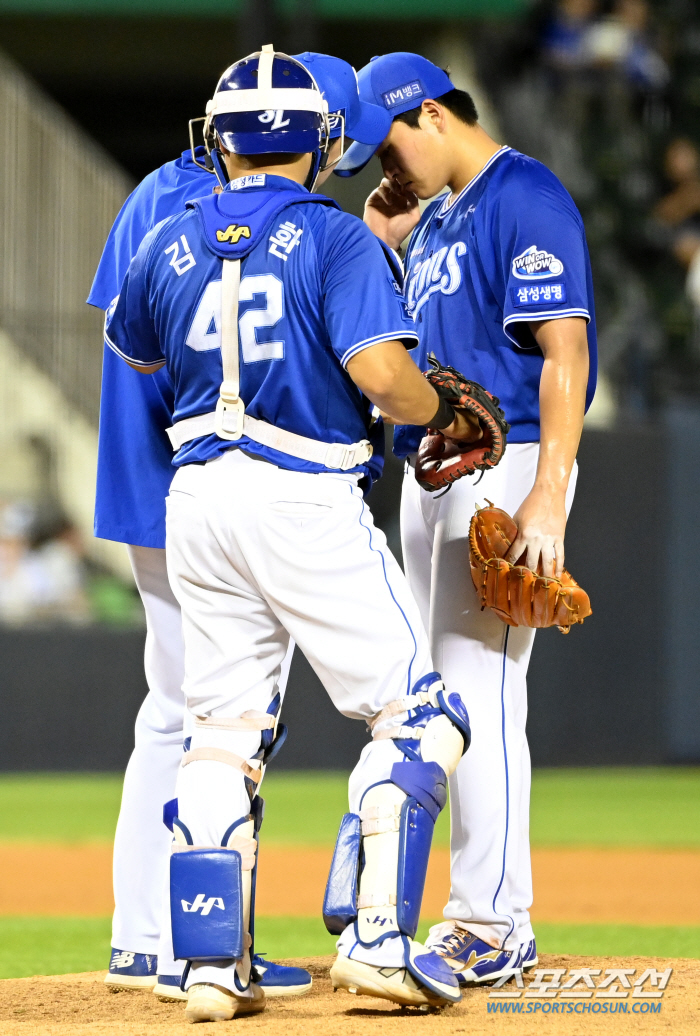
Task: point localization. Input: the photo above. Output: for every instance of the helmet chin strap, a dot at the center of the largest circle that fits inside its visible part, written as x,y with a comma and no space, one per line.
219,164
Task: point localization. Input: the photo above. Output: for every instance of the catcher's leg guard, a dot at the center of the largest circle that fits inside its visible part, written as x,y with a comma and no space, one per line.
213,924
380,862
211,897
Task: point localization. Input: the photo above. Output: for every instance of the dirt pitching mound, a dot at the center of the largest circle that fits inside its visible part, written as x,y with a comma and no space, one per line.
81,1005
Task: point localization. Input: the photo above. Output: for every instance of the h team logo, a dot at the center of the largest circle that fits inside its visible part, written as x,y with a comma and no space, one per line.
534,264
233,233
202,903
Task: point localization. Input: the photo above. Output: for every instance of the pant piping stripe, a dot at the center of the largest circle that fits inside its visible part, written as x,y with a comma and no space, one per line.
386,580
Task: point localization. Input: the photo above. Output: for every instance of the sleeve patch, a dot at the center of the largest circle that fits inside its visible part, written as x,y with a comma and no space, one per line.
538,295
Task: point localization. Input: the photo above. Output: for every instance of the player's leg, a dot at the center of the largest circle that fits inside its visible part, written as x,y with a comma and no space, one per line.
491,883
142,954
417,532
335,586
141,842
488,846
307,543
522,886
275,979
234,649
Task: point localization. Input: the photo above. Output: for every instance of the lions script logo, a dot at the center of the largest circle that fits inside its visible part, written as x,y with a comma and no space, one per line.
233,233
533,264
439,272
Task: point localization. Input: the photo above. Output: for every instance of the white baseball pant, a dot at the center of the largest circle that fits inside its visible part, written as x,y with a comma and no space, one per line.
486,662
257,554
141,841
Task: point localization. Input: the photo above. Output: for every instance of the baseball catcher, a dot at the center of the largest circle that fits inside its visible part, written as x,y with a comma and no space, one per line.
441,461
515,593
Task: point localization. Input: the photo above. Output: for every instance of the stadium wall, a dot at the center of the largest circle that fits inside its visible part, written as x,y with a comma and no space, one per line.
620,690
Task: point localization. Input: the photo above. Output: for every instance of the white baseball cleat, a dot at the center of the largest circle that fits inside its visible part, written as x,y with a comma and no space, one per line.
209,1003
167,989
396,984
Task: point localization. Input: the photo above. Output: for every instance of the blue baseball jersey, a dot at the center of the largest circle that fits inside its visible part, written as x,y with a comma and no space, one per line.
510,249
315,290
134,460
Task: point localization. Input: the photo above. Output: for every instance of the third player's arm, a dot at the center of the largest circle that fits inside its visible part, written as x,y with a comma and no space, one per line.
388,376
541,518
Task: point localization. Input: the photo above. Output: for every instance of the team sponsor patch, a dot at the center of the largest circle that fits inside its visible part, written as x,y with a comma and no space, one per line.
403,93
534,264
539,295
233,233
252,180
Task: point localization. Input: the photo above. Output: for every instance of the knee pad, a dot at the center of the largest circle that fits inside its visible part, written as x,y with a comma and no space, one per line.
437,728
380,862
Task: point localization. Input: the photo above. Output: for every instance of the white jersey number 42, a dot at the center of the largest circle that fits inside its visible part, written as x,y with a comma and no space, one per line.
204,334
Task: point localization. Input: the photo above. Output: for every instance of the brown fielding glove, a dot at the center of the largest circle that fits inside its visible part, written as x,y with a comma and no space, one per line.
441,461
516,594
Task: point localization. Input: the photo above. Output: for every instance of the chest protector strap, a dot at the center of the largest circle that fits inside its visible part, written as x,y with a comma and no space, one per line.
230,421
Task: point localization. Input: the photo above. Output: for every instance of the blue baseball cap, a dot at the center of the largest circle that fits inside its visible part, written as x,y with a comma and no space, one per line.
337,81
393,83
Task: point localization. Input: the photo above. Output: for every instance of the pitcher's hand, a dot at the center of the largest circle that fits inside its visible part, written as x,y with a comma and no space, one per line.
391,213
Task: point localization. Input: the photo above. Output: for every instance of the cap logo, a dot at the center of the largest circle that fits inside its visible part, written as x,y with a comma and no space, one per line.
404,93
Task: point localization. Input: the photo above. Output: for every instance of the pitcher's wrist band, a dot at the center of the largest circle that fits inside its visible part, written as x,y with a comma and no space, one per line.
444,415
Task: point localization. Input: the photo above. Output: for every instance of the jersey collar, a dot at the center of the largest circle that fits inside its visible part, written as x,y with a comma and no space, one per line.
446,208
263,181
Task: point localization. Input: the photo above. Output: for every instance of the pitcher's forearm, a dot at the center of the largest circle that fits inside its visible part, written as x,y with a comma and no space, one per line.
562,399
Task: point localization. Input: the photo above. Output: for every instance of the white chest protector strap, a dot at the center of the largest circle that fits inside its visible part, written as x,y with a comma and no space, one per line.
230,421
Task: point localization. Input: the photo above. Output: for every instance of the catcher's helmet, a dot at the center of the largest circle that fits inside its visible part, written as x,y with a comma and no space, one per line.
268,102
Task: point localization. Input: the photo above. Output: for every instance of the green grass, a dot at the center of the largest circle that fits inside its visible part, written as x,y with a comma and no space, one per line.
61,945
616,807
618,940
56,807
606,807
306,937
53,945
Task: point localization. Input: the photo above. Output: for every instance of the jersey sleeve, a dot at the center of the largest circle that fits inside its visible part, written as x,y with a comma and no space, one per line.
134,220
543,253
129,328
363,292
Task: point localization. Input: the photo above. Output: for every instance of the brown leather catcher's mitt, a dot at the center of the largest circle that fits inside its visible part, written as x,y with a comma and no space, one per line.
516,594
441,461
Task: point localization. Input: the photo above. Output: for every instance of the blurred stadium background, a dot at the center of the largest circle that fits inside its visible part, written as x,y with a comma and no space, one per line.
94,94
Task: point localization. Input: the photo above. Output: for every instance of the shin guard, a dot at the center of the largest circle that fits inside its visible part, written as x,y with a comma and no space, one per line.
380,862
211,893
